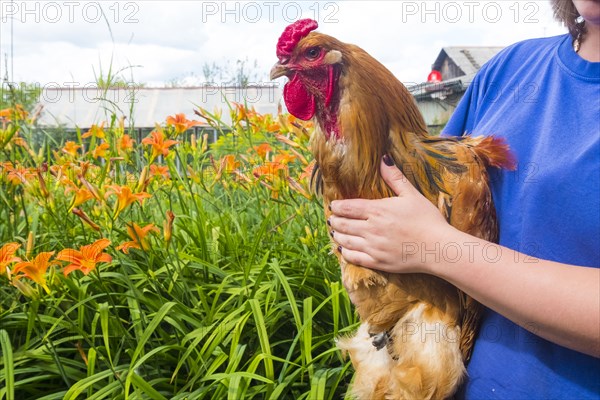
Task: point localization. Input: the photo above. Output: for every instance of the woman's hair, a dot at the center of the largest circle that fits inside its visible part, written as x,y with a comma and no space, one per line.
565,11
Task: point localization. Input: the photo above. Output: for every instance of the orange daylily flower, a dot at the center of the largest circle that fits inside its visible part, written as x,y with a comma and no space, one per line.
229,163
269,169
181,123
239,113
159,170
100,150
126,143
295,126
86,258
81,195
19,141
20,112
125,197
19,174
95,130
307,171
35,269
17,113
83,167
71,148
7,256
138,237
284,157
263,150
274,127
159,145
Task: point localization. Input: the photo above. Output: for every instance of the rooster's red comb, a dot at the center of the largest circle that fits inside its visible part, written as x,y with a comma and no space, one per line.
293,34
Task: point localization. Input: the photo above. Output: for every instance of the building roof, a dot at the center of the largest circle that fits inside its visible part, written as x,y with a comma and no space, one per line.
468,58
83,107
440,90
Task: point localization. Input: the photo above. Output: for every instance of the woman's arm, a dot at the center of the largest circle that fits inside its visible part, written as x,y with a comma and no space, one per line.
558,302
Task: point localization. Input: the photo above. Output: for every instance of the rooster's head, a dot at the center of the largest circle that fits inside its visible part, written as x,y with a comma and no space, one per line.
312,63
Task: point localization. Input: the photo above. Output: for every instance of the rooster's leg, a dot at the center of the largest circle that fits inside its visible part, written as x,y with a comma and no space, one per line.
380,340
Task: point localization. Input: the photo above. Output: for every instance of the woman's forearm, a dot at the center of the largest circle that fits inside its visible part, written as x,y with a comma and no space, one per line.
558,302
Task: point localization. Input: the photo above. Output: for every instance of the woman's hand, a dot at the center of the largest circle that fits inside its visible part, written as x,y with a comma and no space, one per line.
389,234
558,302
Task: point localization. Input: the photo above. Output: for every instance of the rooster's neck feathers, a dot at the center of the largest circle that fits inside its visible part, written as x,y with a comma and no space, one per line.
373,108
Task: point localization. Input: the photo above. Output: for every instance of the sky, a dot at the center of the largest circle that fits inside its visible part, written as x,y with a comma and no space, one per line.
70,43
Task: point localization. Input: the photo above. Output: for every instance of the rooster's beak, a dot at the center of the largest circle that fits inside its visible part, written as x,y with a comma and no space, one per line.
278,70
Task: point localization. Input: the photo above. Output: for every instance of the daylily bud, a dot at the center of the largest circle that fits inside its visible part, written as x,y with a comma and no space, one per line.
43,188
29,247
168,226
81,352
84,217
25,288
143,181
204,142
89,187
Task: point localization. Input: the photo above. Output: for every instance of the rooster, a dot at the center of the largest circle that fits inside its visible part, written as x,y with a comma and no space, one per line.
417,331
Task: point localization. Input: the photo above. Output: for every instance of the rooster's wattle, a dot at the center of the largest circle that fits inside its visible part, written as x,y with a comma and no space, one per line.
417,330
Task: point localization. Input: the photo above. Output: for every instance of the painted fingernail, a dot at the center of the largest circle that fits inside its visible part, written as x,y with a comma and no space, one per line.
328,222
387,160
329,206
339,249
331,234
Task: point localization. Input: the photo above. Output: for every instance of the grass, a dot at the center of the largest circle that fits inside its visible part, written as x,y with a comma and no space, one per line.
235,298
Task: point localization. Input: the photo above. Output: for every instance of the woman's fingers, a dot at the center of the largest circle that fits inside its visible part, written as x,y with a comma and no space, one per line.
350,242
358,258
354,208
354,227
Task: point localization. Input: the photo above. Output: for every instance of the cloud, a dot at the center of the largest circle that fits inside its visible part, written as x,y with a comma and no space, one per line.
171,39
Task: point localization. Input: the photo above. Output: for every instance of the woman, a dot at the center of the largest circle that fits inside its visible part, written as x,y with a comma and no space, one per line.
540,336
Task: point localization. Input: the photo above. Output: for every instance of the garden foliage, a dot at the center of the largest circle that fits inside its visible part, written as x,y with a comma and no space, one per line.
164,268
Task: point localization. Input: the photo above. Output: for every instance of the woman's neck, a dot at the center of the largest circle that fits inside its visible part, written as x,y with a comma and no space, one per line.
590,46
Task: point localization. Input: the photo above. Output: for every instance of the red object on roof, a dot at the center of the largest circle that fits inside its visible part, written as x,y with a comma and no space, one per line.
434,76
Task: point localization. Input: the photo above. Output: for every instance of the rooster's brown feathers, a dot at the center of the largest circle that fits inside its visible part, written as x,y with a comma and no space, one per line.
363,112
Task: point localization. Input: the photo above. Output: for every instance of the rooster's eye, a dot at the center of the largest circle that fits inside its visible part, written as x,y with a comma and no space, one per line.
313,53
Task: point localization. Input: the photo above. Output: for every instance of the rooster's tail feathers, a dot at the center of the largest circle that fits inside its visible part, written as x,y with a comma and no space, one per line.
495,152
